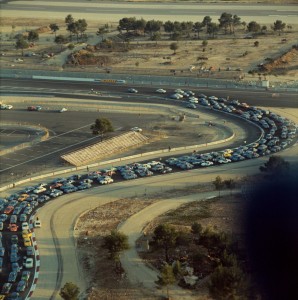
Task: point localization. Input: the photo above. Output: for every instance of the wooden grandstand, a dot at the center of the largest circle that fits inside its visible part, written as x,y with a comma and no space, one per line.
99,150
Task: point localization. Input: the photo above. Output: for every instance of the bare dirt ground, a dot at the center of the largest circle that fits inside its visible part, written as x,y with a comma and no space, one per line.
225,57
221,213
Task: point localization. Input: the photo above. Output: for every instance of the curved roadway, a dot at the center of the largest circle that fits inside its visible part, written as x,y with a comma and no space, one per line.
57,231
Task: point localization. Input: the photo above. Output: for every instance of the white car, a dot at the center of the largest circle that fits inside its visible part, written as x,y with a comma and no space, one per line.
132,90
63,109
176,96
37,224
25,226
39,190
105,180
136,129
161,91
29,263
6,106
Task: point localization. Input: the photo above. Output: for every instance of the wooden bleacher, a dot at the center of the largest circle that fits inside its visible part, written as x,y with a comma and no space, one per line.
99,150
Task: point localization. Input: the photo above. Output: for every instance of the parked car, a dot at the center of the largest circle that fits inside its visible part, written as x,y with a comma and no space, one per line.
29,263
37,224
6,288
12,276
21,286
25,226
136,129
29,250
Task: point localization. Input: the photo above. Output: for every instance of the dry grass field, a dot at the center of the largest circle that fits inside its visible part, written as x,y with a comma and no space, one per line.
224,57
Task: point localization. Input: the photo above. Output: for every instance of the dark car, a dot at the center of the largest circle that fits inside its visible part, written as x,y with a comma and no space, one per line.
6,288
14,239
12,276
16,267
21,286
26,276
29,251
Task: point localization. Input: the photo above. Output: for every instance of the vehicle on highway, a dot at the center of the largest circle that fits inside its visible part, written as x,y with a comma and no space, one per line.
132,90
34,108
161,91
6,106
63,109
191,105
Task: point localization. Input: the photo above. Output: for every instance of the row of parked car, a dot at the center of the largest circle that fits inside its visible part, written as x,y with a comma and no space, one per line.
16,209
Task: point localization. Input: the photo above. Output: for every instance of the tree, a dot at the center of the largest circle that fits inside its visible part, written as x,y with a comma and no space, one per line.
198,27
226,21
69,291
168,26
153,26
33,36
253,26
69,19
102,126
165,237
126,24
256,43
212,29
174,47
219,184
166,277
279,26
206,21
115,243
186,28
230,184
276,165
196,228
54,27
60,40
228,283
101,31
21,43
81,26
205,43
140,25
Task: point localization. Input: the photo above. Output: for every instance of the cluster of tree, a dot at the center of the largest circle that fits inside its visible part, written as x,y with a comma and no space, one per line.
217,249
23,41
219,184
69,291
76,28
227,22
102,126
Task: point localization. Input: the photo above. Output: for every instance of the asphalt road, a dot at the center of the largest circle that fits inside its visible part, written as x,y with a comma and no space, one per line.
113,11
62,88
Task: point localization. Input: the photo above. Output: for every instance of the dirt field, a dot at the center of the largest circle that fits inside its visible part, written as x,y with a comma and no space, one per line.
225,57
224,214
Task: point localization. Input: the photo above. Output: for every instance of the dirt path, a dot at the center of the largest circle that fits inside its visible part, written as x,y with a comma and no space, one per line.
136,269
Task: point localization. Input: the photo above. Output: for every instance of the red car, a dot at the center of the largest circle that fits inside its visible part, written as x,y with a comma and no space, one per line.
8,210
13,227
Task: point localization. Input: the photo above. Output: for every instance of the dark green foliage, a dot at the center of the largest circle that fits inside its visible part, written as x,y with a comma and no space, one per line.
102,126
276,165
228,283
33,36
115,243
165,237
22,44
166,277
69,291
